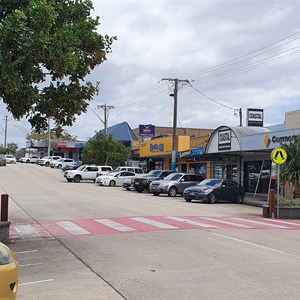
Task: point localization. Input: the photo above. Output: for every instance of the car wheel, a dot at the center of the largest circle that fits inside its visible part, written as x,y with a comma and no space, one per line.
239,199
112,183
156,194
59,167
212,198
69,180
188,199
47,164
27,161
77,178
172,191
128,189
139,190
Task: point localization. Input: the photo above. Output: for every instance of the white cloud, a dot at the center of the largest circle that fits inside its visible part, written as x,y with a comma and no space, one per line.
178,39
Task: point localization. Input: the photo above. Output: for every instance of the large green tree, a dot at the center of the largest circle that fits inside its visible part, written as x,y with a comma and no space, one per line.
290,170
104,150
47,48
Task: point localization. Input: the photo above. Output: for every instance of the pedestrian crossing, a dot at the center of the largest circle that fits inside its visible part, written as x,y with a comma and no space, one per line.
137,224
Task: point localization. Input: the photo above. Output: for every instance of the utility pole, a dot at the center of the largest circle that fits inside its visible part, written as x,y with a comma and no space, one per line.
175,95
49,136
106,109
5,130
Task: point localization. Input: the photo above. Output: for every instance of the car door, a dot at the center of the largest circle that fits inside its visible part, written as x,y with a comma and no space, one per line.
225,191
91,172
185,182
122,176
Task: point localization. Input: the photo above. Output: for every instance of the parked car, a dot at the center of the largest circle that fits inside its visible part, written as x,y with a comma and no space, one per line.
142,183
104,170
9,273
213,189
137,170
60,163
84,172
174,184
114,178
29,159
73,166
128,184
2,160
10,159
45,161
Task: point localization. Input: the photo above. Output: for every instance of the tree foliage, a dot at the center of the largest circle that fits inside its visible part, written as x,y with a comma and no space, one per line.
290,170
102,150
47,48
62,135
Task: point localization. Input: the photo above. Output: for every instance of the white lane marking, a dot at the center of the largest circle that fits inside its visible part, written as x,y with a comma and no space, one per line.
35,282
191,222
72,228
248,243
153,223
284,222
114,225
26,231
30,265
261,223
226,222
28,251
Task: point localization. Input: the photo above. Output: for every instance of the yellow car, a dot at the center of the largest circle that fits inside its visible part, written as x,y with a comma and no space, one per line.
9,273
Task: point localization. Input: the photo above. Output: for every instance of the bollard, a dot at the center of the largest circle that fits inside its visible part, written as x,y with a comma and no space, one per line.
4,207
272,204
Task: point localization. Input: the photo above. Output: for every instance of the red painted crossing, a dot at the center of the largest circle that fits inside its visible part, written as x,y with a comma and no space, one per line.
110,226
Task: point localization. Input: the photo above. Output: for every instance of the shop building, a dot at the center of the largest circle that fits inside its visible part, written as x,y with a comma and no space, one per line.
244,153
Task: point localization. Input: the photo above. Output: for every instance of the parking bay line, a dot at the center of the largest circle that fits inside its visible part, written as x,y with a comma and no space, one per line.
248,243
35,282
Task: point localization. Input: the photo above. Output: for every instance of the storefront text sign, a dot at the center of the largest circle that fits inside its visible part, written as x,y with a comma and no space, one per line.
224,141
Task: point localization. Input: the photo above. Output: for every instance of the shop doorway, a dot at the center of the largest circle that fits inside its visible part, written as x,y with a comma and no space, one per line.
257,176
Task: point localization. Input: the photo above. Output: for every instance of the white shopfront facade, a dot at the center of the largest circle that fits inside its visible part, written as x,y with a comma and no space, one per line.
243,154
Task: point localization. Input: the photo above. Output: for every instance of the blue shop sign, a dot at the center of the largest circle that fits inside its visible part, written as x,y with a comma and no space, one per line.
190,153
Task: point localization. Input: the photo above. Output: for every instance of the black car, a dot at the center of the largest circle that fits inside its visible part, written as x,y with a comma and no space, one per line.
214,189
142,183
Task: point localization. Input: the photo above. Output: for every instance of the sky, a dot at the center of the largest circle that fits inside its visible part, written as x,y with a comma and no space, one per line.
226,55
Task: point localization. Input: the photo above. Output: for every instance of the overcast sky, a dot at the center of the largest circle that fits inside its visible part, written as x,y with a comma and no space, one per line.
235,54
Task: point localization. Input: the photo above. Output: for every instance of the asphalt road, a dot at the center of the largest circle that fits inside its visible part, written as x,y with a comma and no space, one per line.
82,241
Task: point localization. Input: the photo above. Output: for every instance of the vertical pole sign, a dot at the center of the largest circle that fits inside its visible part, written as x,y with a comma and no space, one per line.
279,157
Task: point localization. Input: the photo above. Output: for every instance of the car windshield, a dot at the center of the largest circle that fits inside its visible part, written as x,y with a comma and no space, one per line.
174,176
81,168
113,173
211,182
153,173
9,156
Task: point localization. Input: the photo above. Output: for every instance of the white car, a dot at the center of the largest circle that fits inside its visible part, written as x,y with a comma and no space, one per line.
29,159
85,172
10,159
45,161
114,178
61,163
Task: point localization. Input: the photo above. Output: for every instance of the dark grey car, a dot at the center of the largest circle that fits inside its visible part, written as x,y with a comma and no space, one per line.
2,160
174,184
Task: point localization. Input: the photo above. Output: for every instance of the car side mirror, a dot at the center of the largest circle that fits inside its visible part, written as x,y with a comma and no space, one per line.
182,180
223,185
